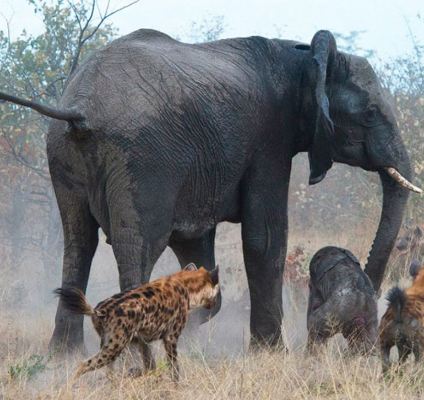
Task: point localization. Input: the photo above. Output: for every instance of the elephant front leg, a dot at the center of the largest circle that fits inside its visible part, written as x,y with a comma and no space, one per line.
264,260
264,235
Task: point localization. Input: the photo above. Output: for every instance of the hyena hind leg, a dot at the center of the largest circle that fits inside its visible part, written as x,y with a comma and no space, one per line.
404,351
171,353
107,354
417,350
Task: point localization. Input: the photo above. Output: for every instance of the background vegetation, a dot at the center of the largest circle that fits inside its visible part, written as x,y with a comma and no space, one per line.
31,239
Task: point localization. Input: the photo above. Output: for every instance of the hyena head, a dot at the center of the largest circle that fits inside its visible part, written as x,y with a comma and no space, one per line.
415,268
202,286
417,288
411,240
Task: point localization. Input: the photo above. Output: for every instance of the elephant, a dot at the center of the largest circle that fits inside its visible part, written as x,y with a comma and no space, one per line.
156,141
341,300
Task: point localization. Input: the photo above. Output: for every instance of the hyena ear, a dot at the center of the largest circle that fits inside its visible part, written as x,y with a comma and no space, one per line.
190,267
214,275
414,268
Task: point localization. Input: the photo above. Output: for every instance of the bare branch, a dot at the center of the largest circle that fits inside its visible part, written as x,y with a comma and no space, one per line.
21,160
105,17
83,37
51,85
87,22
72,5
83,29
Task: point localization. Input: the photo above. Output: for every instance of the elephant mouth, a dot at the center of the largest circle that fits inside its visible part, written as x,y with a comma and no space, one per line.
401,180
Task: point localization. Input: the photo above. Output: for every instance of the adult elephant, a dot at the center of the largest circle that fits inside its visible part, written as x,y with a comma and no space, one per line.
161,140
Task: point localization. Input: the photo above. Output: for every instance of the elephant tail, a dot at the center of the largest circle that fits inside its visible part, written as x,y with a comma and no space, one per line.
75,119
75,301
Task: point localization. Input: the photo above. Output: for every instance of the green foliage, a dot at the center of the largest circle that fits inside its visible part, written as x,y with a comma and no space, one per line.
37,67
28,368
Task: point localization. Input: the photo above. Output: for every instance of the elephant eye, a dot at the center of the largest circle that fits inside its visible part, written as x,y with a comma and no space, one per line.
371,113
370,116
356,135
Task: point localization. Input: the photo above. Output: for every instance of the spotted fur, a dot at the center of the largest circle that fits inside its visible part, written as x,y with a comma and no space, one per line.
154,311
402,324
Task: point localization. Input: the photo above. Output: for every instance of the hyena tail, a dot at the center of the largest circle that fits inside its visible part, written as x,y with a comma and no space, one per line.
74,300
397,299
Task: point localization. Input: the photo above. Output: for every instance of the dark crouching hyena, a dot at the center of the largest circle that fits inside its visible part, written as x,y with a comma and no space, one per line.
153,311
402,325
341,299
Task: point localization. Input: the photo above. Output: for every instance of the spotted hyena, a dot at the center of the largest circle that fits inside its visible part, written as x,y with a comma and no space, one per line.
154,311
409,249
402,325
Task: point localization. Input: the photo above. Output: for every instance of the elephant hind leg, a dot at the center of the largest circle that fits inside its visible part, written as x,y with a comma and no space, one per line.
139,235
80,231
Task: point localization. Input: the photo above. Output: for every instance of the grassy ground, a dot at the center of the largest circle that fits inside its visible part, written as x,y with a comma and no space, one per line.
264,375
213,358
27,373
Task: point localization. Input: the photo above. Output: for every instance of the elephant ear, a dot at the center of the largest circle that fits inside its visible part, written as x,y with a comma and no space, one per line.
323,52
190,267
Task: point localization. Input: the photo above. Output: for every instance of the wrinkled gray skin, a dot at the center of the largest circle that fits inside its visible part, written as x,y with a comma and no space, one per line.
164,140
341,300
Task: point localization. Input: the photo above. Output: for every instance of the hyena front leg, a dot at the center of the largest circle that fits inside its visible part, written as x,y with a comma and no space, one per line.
147,357
171,353
385,356
146,353
417,350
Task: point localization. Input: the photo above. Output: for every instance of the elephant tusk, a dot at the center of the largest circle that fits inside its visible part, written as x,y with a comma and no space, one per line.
401,180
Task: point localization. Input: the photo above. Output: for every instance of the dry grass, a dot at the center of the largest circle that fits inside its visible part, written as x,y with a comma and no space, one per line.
256,376
216,367
263,375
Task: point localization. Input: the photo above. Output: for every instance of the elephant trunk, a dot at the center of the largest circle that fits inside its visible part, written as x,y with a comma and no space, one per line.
395,197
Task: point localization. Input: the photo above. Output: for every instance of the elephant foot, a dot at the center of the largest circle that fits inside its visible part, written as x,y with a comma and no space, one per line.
272,342
65,342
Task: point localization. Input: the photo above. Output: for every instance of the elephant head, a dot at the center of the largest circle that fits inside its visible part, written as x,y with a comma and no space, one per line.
350,121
